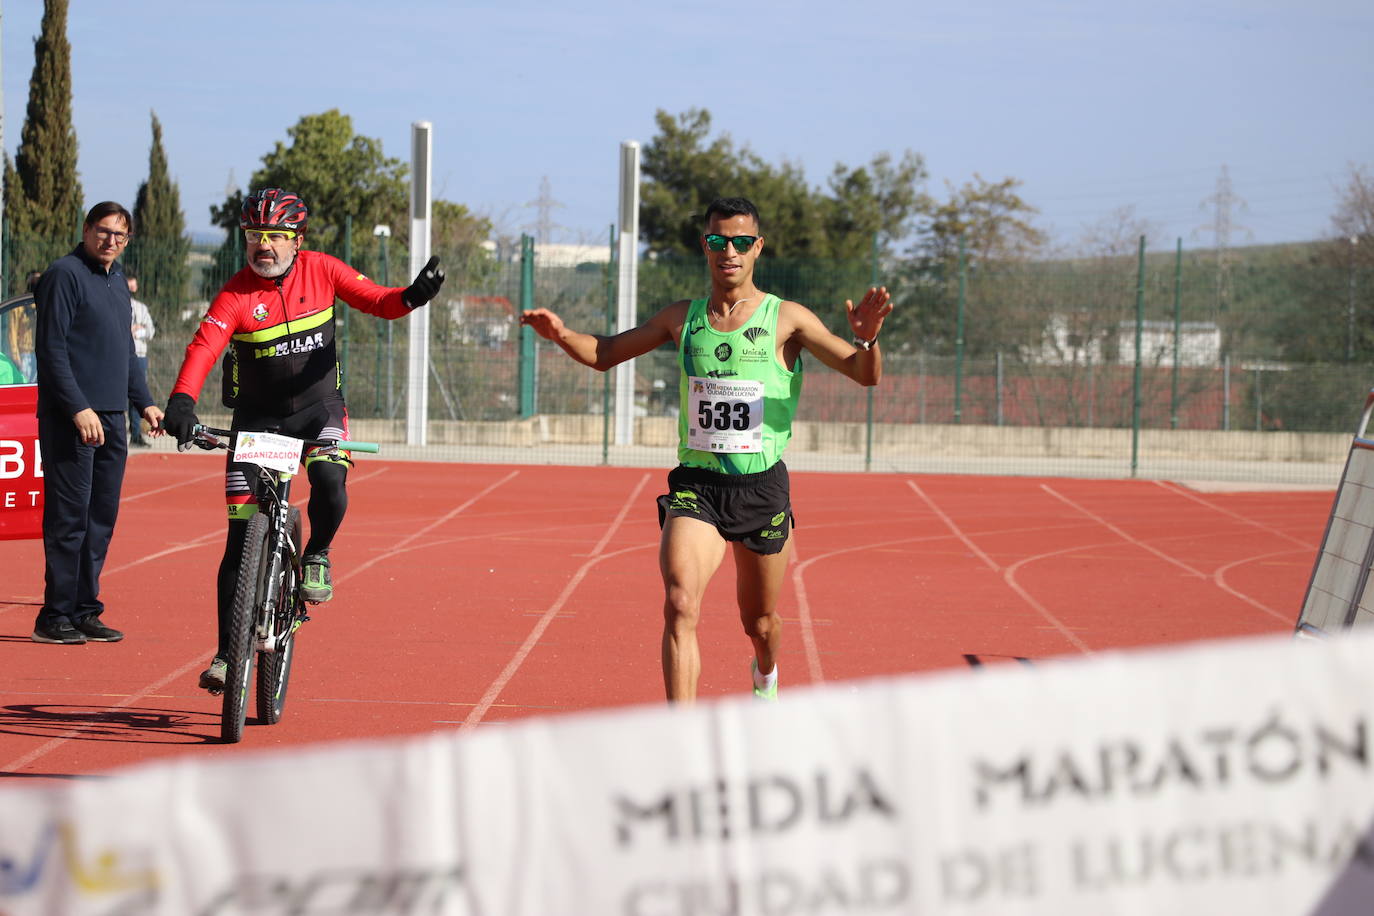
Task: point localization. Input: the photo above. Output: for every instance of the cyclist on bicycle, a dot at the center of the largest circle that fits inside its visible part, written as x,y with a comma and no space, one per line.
283,374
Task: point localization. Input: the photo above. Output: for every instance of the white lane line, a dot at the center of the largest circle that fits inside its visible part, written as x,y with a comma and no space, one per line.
504,678
53,744
402,545
1009,574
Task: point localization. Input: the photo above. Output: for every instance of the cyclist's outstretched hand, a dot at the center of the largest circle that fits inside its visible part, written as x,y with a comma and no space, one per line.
426,285
179,418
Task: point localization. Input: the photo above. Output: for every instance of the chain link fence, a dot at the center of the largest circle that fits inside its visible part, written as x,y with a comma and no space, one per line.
1248,365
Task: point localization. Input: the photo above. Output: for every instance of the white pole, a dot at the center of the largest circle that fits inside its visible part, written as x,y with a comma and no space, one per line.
417,370
628,255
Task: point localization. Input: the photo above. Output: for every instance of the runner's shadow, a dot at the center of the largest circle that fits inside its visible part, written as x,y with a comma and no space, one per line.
138,725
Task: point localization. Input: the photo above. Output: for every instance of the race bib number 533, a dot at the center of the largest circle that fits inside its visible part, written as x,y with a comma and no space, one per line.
725,416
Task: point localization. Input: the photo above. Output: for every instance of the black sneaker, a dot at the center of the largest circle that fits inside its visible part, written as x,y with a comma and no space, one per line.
95,631
213,678
61,633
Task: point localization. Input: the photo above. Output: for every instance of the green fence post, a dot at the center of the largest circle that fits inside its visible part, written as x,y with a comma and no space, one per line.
383,233
611,274
1136,399
527,350
342,310
959,337
868,423
1178,329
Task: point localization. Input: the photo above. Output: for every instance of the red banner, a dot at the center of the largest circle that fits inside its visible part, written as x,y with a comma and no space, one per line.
21,468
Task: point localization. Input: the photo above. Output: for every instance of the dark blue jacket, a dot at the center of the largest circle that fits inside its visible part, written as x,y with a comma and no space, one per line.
83,344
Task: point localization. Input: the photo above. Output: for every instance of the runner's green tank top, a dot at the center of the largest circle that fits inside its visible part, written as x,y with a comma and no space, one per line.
736,400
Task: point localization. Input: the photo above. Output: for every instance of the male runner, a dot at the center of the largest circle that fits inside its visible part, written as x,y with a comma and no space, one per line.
740,356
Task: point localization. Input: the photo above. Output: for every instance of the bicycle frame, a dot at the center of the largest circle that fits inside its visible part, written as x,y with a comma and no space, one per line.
274,498
273,621
267,604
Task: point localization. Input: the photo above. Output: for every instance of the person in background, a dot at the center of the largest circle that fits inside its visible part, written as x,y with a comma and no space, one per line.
143,331
87,375
739,355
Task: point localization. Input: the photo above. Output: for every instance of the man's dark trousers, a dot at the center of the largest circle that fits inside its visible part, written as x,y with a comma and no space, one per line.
81,485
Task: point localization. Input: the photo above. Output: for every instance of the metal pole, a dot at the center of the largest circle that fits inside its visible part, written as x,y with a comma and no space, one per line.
626,290
999,387
1226,392
959,338
1178,329
611,271
1350,307
1137,398
417,374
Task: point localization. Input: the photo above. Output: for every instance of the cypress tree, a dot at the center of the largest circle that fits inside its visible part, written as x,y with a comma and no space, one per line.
46,200
160,246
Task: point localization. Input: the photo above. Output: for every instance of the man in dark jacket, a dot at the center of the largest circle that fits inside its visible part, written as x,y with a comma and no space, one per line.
87,375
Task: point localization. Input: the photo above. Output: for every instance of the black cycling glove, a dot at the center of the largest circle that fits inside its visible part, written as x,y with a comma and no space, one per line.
426,285
179,418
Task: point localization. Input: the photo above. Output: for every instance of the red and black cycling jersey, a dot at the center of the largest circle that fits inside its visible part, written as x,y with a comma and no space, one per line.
282,333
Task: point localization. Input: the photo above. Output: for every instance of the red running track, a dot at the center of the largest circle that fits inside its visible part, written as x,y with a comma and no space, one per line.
473,594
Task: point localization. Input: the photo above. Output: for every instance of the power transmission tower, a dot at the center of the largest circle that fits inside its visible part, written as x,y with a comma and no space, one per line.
544,206
1222,202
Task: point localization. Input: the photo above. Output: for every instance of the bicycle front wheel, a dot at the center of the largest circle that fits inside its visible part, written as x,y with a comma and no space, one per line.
274,668
248,591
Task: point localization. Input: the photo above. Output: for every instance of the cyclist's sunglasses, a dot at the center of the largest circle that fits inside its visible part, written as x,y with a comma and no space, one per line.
271,235
742,243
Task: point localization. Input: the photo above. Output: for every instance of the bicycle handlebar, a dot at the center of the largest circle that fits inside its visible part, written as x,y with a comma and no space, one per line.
200,429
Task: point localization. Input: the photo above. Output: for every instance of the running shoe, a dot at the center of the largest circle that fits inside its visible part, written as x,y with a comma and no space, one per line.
771,694
213,678
317,586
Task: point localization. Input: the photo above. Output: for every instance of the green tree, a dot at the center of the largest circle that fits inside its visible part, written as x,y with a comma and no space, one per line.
159,248
685,169
338,173
43,199
993,222
991,217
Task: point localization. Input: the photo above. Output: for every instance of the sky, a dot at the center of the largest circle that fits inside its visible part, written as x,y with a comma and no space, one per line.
1098,109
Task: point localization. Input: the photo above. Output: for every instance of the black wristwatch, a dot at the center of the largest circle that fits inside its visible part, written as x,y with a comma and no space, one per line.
865,344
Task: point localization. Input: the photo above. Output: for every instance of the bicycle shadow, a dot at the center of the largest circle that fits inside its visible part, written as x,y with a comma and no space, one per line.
137,725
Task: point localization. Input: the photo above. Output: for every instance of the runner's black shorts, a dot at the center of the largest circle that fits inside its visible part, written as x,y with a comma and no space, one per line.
754,509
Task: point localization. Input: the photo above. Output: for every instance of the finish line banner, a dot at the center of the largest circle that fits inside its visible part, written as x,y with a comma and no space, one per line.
1229,777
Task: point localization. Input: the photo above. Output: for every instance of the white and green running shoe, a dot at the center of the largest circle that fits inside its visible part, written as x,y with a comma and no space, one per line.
769,693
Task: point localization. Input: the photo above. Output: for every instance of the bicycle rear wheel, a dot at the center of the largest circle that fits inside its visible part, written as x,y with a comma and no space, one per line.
248,589
274,668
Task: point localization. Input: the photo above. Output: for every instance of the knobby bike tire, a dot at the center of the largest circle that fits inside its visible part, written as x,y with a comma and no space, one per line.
274,668
247,589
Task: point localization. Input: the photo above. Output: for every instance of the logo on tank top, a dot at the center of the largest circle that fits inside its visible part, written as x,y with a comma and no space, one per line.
696,329
753,334
260,312
723,352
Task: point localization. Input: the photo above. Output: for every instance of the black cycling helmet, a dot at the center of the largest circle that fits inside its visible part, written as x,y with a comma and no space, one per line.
273,208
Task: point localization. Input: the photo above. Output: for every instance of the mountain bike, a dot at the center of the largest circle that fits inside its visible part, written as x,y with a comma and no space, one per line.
268,606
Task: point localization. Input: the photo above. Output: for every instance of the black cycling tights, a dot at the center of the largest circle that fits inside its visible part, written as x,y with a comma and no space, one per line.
328,502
